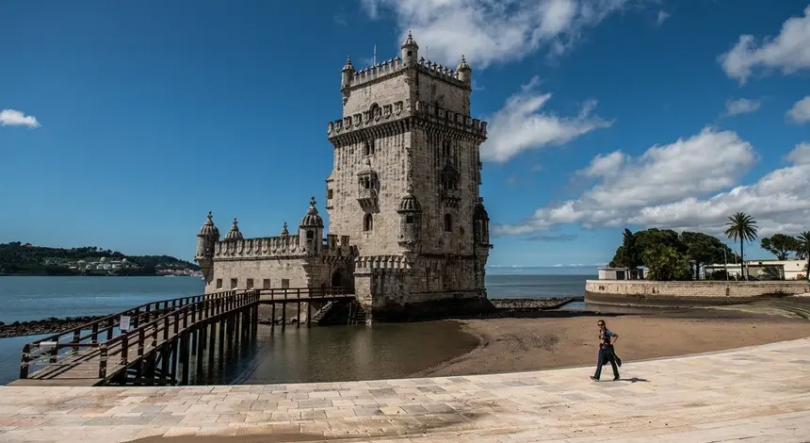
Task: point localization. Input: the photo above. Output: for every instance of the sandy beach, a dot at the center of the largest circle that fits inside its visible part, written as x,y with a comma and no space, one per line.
526,344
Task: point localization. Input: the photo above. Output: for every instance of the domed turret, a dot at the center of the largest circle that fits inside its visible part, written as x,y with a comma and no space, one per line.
312,219
410,220
310,231
347,73
409,203
208,227
464,72
207,238
234,233
481,223
410,50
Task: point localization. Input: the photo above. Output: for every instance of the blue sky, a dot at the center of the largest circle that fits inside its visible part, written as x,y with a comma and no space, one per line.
123,123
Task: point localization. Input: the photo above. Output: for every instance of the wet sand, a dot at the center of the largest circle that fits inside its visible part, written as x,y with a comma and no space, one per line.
527,344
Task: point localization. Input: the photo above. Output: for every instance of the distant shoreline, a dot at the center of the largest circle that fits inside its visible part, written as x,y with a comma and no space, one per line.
97,275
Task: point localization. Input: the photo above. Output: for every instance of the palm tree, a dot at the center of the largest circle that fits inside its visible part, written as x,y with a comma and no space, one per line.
743,227
804,249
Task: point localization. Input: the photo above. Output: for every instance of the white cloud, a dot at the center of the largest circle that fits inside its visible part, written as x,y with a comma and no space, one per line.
10,117
494,31
662,17
661,187
800,112
522,125
741,106
789,51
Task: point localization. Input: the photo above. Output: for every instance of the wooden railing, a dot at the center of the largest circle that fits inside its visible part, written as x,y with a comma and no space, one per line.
171,324
295,294
142,318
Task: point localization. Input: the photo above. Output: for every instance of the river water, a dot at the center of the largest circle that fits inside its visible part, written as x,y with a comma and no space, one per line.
294,355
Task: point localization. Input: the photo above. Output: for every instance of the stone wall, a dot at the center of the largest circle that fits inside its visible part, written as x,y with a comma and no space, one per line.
692,292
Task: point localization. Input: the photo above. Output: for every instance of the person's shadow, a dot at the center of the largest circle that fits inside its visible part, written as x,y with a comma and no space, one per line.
634,380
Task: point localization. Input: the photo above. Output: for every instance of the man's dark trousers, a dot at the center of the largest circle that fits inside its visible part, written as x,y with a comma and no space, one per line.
606,355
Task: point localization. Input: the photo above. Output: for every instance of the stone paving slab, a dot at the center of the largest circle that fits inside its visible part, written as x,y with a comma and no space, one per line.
757,394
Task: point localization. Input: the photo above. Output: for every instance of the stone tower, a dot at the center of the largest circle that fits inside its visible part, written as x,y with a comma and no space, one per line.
405,185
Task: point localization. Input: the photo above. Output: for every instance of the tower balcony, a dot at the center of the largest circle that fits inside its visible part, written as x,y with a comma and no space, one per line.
451,197
367,198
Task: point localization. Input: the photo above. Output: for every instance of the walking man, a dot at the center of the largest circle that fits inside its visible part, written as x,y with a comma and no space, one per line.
606,352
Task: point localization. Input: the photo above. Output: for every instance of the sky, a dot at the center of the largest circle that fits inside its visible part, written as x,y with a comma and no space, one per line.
123,123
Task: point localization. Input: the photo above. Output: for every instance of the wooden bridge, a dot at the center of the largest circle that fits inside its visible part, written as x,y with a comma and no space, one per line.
158,343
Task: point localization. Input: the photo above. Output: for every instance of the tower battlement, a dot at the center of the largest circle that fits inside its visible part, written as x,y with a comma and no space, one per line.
280,246
394,66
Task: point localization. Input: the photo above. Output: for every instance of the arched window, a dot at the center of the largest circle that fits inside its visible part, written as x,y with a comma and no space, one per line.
368,223
448,223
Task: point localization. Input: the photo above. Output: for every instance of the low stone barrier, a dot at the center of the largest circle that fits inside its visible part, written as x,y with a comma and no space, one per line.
688,293
532,303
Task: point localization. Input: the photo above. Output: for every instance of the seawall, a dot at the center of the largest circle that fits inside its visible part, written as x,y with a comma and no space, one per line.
688,293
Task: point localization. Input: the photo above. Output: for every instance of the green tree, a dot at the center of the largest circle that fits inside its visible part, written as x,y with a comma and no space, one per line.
780,245
704,249
743,227
666,263
803,248
628,254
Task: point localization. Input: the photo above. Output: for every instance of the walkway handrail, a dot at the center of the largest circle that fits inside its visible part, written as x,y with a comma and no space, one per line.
221,303
51,344
297,293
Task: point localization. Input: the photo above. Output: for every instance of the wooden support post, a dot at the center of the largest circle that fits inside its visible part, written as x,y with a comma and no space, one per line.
184,358
273,320
236,328
284,312
26,358
212,344
221,326
102,362
110,326
200,349
173,358
309,313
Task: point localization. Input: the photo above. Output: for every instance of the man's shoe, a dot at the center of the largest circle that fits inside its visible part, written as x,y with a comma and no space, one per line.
594,378
616,379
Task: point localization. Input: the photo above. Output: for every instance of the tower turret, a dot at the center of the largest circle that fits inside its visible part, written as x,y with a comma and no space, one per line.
310,230
410,51
347,73
481,224
464,72
410,220
206,239
234,233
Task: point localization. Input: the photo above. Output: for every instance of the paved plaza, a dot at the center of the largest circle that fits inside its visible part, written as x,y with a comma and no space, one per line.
757,394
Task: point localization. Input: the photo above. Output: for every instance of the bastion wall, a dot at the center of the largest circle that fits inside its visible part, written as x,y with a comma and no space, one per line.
670,293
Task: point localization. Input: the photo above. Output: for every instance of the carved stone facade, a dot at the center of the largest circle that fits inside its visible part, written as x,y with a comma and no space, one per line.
403,196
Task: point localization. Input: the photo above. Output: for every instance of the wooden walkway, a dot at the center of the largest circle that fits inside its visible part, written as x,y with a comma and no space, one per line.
155,348
316,301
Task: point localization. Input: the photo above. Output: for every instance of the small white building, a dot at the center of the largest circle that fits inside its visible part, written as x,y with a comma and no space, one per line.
788,269
621,274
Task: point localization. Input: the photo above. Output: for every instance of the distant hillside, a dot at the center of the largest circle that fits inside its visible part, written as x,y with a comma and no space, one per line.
26,259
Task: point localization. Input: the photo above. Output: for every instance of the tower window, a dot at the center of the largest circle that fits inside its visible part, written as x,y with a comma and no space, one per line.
368,148
329,194
447,149
409,53
310,235
448,223
409,219
368,223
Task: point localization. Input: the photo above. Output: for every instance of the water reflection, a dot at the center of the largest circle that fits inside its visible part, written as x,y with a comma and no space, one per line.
341,353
